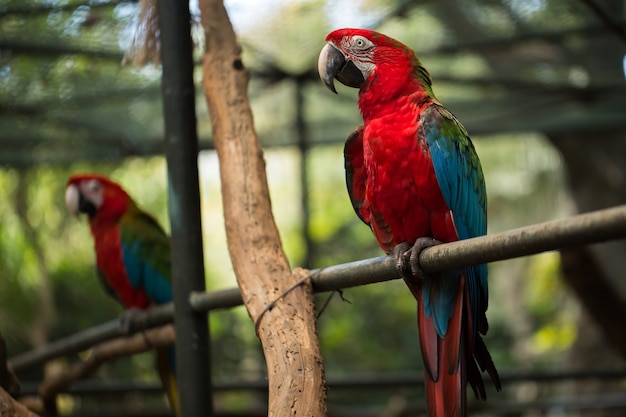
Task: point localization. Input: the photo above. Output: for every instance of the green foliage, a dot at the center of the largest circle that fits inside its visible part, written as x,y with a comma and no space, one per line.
550,307
375,332
356,336
97,109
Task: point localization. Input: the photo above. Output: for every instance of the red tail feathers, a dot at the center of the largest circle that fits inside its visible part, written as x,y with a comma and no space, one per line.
444,362
451,363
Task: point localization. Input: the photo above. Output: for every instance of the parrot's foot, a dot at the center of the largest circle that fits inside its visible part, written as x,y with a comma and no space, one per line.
398,254
408,257
127,318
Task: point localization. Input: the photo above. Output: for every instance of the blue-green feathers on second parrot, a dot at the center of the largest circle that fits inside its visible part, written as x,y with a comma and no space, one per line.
132,254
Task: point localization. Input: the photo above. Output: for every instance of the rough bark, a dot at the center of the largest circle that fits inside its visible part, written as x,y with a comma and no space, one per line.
283,311
11,408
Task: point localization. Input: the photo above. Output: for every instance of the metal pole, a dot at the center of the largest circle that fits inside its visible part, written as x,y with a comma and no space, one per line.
583,229
192,336
302,134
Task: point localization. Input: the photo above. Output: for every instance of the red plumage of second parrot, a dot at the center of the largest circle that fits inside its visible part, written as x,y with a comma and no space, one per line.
414,177
132,254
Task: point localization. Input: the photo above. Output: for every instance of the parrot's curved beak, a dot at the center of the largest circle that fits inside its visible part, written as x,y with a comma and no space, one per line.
333,64
77,203
86,206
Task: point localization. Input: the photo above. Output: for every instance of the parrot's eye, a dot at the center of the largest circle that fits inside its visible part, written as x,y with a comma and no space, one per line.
93,185
361,42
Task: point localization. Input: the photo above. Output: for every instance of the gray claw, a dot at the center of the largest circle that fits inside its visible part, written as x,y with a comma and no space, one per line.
408,257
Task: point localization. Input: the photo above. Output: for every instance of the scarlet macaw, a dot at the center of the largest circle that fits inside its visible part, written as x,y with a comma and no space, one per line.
132,254
414,177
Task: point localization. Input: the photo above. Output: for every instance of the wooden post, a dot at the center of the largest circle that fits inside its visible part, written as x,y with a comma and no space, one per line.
285,318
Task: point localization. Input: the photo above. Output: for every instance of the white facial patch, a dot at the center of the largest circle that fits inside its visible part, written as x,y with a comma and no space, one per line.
71,199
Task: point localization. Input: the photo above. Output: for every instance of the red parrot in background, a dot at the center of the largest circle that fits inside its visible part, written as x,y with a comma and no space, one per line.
414,177
132,254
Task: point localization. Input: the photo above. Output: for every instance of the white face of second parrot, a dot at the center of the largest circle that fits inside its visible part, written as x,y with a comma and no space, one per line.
90,190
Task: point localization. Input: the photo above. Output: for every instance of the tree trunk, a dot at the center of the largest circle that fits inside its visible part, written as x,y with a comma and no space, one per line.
278,301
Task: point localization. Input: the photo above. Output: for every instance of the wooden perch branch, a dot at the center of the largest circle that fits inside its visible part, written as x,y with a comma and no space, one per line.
9,387
287,330
124,346
11,408
8,381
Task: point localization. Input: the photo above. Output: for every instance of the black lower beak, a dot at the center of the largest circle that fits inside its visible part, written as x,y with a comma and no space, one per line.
86,206
333,64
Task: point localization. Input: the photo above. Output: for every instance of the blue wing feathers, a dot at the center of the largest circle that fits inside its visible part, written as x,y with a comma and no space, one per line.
457,170
143,275
462,186
145,249
146,256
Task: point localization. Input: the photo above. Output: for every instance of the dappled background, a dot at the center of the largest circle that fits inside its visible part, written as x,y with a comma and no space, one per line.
539,84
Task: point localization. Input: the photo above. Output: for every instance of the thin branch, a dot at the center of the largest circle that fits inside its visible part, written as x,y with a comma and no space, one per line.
105,352
81,341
